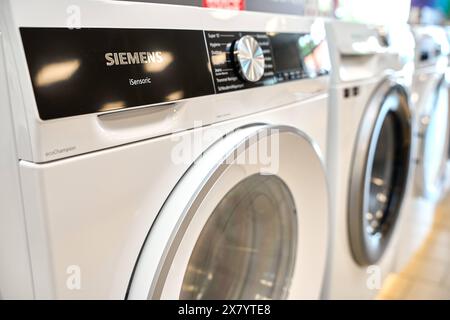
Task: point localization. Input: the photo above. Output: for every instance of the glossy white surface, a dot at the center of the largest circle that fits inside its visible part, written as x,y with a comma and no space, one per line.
95,210
357,52
15,269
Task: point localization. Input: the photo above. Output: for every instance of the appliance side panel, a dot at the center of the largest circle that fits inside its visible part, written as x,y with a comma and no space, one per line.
33,194
15,269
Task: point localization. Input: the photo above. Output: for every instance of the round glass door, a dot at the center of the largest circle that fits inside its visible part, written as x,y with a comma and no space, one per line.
386,178
379,175
247,248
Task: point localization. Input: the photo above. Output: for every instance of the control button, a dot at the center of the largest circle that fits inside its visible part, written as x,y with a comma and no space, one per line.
424,56
346,93
249,58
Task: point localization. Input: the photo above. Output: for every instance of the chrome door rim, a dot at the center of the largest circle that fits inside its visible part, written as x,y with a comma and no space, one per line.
368,248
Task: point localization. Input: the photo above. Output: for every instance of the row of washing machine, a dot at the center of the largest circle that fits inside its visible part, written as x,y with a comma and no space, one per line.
165,152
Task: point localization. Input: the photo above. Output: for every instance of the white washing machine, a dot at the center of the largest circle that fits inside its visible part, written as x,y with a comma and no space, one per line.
431,137
369,153
431,110
447,75
162,152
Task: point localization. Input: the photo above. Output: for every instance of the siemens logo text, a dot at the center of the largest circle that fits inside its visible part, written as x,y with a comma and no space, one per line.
124,58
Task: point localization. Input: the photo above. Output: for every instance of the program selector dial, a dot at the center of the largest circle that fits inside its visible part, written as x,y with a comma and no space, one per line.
249,58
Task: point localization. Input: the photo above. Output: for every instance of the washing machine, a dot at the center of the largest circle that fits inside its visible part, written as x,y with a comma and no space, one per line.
431,137
369,139
447,182
431,106
161,152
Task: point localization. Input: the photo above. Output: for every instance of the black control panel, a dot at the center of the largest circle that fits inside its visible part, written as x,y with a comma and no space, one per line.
224,67
91,70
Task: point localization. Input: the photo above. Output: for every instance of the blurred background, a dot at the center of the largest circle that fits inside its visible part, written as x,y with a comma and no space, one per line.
367,11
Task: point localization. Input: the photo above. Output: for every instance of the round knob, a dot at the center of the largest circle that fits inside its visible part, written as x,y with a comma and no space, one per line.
249,58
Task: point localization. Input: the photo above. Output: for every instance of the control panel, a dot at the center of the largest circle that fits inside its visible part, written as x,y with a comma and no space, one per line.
239,60
91,70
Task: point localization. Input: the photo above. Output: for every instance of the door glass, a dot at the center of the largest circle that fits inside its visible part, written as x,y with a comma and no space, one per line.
383,177
247,248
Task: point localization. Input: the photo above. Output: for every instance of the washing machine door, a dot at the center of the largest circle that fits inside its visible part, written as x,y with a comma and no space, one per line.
379,173
433,140
248,220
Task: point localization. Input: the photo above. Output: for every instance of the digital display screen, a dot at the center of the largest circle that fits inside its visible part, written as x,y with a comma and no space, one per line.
286,52
315,55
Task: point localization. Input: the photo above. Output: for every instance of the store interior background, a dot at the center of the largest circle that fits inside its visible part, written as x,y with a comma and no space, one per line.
427,274
365,11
